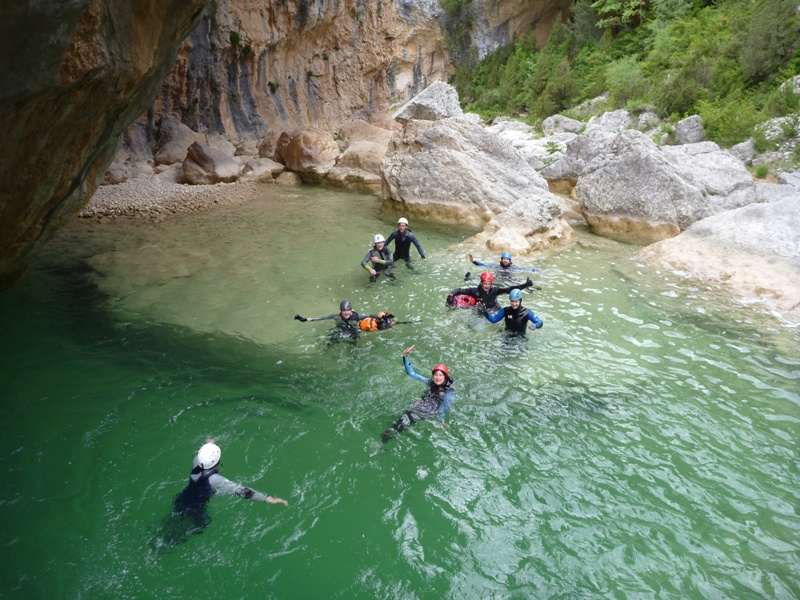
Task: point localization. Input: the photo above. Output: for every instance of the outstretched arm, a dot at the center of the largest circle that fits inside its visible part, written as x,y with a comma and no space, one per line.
223,485
496,317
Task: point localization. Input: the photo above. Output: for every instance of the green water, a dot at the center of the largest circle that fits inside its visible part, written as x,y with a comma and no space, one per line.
643,444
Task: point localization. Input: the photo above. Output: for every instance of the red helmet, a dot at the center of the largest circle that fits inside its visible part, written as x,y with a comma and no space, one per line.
443,369
486,276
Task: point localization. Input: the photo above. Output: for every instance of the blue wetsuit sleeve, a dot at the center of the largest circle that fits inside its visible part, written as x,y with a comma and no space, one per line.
537,322
496,317
446,402
410,371
415,241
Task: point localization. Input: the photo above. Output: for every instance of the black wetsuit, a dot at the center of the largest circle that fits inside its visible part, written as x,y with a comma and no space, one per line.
487,300
402,244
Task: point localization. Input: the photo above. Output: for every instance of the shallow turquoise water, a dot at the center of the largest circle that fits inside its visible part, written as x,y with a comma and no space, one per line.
643,444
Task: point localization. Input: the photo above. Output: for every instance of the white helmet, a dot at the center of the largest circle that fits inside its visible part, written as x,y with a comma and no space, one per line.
379,238
208,456
402,220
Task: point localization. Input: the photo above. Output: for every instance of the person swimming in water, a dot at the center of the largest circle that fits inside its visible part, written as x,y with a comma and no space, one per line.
403,238
486,293
347,321
505,269
518,319
435,401
205,481
379,260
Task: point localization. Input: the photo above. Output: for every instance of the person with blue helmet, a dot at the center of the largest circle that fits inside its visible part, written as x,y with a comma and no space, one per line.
518,319
403,238
505,268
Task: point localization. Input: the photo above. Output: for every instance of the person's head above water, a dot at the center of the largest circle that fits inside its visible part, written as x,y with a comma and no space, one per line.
486,280
378,241
515,296
505,259
439,373
208,456
345,306
402,224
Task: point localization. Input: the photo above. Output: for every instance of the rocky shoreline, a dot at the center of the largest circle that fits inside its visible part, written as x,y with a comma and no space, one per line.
154,198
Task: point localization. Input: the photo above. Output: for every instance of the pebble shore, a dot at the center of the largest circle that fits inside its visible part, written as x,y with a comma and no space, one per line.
153,198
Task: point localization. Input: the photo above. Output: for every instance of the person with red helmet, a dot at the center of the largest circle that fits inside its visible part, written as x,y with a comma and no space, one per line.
486,294
434,402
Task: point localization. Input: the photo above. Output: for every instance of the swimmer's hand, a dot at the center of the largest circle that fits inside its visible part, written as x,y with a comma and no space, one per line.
272,500
407,350
299,318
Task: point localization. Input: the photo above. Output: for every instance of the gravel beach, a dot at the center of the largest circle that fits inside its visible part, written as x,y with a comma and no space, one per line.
153,198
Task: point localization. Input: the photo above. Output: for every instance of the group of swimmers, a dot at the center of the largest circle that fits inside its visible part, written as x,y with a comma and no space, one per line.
205,479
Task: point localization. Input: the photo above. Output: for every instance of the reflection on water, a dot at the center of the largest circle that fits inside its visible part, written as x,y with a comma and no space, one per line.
641,444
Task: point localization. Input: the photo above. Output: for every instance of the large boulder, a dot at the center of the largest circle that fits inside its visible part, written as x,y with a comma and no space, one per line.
438,101
310,153
359,166
204,165
175,139
633,192
719,175
456,170
753,250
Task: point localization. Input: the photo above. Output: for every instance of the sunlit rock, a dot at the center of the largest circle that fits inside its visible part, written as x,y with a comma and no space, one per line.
753,250
204,165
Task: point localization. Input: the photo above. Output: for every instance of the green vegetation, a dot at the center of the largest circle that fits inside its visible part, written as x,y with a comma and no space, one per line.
762,171
723,60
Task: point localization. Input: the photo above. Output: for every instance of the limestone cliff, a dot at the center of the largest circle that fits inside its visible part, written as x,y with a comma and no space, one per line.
73,75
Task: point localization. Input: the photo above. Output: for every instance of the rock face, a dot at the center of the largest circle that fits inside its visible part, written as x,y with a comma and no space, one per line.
454,169
631,189
73,76
755,250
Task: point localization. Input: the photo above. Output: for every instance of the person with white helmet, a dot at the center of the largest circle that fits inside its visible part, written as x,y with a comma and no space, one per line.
518,319
486,293
379,259
435,400
504,269
347,321
205,481
403,238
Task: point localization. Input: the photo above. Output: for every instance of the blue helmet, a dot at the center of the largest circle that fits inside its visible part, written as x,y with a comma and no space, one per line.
515,295
506,255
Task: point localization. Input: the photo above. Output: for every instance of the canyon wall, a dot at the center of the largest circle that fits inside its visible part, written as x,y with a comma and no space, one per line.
78,76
